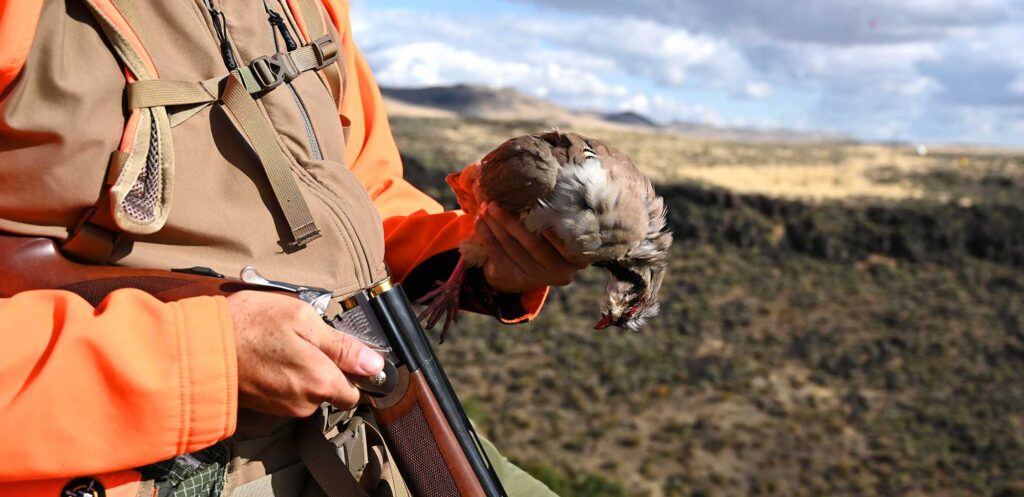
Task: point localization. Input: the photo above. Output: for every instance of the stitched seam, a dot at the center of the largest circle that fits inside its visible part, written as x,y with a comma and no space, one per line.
183,406
227,326
342,220
334,202
187,385
356,248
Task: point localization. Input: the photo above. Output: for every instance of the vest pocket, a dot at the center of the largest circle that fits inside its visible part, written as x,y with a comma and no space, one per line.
347,198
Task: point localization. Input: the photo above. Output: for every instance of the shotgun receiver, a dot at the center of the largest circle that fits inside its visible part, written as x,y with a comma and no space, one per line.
419,415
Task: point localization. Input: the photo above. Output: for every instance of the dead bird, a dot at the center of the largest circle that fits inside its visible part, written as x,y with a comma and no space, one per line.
592,197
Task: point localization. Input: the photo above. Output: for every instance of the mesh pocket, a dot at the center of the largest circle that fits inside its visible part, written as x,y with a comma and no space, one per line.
140,202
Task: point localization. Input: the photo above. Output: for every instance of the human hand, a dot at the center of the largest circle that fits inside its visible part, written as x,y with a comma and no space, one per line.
289,360
518,260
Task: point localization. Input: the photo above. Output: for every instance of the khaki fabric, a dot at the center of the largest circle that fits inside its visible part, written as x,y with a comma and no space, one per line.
67,112
223,214
69,107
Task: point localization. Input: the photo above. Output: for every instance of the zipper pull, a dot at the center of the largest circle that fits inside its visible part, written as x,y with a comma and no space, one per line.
220,25
277,21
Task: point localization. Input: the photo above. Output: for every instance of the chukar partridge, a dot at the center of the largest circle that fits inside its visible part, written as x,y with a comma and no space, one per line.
598,204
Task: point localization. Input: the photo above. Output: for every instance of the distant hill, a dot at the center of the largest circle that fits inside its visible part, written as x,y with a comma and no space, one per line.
505,104
497,104
631,118
744,133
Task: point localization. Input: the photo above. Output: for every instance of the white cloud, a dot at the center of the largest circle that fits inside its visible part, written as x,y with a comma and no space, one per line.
638,103
1017,85
871,68
755,89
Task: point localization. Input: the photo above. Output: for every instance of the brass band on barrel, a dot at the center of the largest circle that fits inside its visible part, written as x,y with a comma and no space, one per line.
380,288
349,303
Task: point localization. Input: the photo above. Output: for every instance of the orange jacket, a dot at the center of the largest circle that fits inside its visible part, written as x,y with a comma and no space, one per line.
95,392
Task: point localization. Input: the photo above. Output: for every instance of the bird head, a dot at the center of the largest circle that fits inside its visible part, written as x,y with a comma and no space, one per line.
631,297
632,294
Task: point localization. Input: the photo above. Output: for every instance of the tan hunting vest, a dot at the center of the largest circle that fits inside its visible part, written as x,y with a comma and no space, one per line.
190,190
166,153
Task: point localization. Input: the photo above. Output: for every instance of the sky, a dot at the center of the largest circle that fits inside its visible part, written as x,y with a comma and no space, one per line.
927,71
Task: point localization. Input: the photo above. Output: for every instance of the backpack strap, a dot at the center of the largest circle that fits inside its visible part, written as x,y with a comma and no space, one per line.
136,198
313,25
330,460
139,186
234,91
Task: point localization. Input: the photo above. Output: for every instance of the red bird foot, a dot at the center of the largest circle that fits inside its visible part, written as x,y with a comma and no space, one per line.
443,300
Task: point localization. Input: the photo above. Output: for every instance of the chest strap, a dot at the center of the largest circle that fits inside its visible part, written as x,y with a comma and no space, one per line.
235,91
261,75
137,194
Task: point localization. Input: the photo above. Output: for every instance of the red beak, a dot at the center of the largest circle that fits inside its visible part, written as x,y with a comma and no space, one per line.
605,322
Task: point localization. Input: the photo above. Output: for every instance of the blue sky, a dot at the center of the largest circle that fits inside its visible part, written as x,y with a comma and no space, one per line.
931,71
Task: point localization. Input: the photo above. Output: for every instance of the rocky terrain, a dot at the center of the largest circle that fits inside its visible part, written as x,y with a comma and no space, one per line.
840,319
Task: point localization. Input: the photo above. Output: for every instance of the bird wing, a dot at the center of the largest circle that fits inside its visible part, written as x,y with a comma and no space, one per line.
519,173
653,248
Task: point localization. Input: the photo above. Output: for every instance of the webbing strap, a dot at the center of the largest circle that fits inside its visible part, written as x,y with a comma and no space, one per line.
293,477
263,74
90,242
267,72
315,21
162,93
321,458
260,134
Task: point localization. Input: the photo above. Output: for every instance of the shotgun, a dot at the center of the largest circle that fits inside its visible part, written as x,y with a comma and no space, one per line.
420,417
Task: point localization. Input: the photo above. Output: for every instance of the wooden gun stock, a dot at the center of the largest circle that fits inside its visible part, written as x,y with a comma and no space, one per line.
36,264
422,421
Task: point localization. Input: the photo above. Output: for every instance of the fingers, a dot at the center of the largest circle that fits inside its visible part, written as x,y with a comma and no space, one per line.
327,358
348,353
499,238
559,245
541,262
289,360
501,272
324,382
536,246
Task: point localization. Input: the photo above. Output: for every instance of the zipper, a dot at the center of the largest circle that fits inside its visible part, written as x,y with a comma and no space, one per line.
276,21
363,266
314,146
220,28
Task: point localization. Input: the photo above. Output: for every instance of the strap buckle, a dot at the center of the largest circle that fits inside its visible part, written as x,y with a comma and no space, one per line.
325,50
272,70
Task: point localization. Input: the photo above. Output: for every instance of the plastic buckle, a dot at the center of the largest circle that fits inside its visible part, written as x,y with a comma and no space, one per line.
326,51
271,71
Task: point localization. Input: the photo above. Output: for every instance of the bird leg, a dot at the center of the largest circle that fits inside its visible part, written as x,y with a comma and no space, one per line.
444,300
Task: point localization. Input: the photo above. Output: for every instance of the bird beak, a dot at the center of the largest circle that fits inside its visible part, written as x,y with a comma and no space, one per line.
605,322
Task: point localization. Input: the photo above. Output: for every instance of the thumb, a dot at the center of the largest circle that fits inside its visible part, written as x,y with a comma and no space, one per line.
349,354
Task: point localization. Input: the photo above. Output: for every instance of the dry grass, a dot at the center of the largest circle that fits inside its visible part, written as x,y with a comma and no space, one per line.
861,336
816,171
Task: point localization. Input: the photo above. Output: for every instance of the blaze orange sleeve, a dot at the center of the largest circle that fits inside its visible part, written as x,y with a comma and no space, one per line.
18,19
134,381
416,227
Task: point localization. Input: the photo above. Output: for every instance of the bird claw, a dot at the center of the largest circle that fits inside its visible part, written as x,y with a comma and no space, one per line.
443,301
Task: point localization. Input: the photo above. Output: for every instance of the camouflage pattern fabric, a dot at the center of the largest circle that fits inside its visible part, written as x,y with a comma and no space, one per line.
199,474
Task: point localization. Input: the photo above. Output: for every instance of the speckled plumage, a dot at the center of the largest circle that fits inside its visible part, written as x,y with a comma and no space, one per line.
597,202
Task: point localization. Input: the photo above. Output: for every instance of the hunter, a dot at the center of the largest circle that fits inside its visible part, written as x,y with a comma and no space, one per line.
216,133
